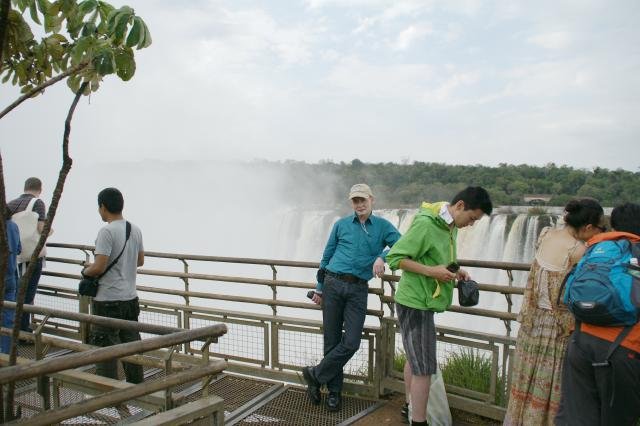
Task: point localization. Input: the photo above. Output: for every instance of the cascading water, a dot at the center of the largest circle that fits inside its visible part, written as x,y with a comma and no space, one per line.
504,236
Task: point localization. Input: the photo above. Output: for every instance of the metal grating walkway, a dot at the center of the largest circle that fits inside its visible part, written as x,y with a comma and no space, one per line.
290,406
247,400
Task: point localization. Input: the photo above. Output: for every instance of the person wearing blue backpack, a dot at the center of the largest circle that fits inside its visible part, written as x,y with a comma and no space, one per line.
601,373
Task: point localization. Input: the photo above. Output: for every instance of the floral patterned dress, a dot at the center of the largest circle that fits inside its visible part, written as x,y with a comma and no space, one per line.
542,340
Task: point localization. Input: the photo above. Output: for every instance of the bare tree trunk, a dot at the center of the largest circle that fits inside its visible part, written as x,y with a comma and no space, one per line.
4,16
4,256
31,93
24,281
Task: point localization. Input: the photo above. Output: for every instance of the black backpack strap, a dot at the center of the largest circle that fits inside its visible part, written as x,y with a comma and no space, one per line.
127,234
607,363
564,283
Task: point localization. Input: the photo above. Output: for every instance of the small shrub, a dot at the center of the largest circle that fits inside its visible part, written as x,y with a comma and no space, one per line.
399,360
537,211
471,370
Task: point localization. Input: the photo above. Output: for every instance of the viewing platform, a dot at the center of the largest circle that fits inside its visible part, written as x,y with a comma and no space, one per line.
223,342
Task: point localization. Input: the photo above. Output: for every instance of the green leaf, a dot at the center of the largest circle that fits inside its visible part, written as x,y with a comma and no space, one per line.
105,10
74,83
136,31
125,64
121,27
147,37
104,62
88,29
52,24
80,49
33,10
45,7
87,6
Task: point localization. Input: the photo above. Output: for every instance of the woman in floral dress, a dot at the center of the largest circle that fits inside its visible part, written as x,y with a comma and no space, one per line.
545,321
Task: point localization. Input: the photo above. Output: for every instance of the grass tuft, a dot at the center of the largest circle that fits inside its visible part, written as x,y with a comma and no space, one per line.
470,369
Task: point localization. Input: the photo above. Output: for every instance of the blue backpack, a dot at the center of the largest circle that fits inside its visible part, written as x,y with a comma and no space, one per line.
602,289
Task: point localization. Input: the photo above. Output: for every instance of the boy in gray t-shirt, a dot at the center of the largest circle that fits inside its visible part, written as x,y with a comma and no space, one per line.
116,297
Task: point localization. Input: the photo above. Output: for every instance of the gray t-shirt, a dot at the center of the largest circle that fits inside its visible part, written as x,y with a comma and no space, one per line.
120,282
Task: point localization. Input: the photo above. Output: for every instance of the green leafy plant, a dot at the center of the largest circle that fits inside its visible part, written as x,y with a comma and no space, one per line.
399,360
83,41
537,211
470,369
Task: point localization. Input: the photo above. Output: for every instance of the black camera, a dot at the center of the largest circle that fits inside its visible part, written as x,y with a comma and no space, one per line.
310,294
453,267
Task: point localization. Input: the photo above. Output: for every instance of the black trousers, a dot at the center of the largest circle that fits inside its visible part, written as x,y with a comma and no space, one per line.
599,396
106,336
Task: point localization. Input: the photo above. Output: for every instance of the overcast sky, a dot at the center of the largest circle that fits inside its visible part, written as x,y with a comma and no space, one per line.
459,82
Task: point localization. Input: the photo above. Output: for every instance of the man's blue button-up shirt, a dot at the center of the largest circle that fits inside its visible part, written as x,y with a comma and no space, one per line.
353,246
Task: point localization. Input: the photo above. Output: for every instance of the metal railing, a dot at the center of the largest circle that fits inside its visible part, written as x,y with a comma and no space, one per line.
275,346
44,368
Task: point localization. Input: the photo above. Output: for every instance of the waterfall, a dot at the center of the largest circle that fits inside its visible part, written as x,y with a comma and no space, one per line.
508,236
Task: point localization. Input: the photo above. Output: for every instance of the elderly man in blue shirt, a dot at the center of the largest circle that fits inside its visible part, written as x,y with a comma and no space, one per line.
354,253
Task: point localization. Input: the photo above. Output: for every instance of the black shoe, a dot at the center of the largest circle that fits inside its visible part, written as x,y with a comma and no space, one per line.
334,401
404,413
313,386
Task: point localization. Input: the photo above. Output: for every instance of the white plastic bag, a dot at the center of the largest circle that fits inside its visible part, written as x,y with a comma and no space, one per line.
438,412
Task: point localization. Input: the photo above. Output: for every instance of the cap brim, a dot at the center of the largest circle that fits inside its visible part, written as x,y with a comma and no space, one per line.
359,194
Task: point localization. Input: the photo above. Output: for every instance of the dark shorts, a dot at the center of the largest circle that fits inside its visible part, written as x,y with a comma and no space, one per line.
419,339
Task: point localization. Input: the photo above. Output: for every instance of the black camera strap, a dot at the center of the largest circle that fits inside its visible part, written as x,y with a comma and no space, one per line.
128,233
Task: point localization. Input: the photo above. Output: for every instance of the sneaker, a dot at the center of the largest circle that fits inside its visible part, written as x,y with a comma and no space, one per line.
313,386
404,413
334,401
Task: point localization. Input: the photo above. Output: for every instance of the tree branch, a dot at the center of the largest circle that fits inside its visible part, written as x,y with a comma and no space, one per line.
24,281
43,86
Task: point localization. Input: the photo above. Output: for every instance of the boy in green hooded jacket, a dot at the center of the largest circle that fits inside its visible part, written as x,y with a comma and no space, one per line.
426,253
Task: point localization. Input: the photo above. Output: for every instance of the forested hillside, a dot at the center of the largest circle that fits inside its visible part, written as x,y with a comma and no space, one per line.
399,185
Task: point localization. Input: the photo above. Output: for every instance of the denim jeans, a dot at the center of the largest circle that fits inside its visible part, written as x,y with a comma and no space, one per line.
344,306
8,314
106,336
30,295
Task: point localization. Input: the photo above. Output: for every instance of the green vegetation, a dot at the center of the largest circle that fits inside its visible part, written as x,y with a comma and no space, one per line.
406,185
471,370
399,360
81,41
537,211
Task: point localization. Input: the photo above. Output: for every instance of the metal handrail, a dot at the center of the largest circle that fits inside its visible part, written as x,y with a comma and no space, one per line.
119,396
98,320
291,263
75,360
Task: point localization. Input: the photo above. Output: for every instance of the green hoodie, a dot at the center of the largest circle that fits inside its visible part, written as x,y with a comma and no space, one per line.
431,242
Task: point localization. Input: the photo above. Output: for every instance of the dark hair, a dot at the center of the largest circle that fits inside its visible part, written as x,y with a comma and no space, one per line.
33,184
474,197
583,211
626,218
111,199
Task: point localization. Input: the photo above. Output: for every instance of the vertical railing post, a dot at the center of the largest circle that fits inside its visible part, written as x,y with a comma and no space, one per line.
275,351
168,369
381,357
186,281
40,351
274,291
205,360
83,308
507,323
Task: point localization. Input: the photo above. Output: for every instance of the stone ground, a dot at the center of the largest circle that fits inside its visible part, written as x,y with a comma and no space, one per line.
389,414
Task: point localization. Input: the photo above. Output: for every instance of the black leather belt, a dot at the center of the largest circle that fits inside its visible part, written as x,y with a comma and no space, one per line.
348,278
